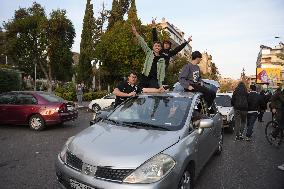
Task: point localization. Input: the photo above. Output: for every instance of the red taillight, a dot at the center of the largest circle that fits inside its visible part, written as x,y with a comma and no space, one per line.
62,108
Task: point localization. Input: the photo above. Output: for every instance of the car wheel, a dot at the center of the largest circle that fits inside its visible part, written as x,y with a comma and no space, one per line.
186,181
96,108
220,145
36,122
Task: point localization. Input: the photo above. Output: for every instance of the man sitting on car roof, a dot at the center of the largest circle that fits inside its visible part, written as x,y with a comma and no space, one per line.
190,79
129,88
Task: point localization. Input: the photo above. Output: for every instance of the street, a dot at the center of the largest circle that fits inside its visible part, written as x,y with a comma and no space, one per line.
27,158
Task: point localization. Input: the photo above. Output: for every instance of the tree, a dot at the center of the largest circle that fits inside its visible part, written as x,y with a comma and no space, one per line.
118,10
61,35
174,68
87,46
27,40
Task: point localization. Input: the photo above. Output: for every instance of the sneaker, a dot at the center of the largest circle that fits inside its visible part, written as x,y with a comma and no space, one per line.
247,138
239,138
281,167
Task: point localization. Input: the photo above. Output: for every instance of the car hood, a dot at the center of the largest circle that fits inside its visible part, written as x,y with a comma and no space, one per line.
225,110
119,146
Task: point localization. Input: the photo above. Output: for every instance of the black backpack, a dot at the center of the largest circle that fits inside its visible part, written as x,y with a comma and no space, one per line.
241,102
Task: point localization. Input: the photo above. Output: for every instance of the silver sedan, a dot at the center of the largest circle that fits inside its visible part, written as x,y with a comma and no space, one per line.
153,141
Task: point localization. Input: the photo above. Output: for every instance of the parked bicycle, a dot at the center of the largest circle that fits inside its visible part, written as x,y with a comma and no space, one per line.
273,133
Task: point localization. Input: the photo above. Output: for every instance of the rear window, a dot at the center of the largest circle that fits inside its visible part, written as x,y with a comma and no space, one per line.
51,97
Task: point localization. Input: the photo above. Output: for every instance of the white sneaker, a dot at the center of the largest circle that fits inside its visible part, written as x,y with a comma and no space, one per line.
281,167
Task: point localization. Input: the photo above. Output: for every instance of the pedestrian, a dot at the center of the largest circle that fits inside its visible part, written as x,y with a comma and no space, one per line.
239,102
277,105
79,93
129,88
190,79
166,50
255,103
263,105
153,73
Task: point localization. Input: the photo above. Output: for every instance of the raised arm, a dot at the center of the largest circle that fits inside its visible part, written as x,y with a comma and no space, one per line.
154,31
141,41
180,47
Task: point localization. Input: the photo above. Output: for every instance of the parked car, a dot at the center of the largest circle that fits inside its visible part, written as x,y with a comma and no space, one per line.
223,101
99,104
36,109
153,141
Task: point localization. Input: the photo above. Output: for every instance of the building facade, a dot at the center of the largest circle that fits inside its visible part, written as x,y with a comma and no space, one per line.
206,63
269,65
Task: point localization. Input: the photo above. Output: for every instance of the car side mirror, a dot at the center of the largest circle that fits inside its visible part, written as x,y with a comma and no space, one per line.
205,124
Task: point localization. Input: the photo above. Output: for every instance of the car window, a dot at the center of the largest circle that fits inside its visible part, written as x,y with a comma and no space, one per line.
51,97
25,99
163,111
7,99
200,111
223,100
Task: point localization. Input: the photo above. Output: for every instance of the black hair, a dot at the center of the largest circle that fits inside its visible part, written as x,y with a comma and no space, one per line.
132,72
252,87
241,89
159,42
167,41
195,55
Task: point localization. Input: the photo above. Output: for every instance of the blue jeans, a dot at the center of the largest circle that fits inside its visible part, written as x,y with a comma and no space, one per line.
251,118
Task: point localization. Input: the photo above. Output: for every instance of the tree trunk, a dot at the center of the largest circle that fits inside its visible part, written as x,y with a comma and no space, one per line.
47,75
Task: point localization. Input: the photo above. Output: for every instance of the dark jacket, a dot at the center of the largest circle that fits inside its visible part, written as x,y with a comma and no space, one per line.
255,101
240,101
166,53
277,100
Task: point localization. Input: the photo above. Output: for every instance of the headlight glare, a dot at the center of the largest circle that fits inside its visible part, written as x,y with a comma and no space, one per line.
152,170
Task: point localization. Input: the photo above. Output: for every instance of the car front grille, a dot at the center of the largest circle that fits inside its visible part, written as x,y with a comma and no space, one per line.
105,173
73,161
112,174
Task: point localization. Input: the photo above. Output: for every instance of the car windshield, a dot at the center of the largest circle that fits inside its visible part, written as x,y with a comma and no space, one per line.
223,100
161,112
51,97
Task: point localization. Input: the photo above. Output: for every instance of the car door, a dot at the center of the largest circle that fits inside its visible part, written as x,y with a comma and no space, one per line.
7,107
217,127
25,106
203,138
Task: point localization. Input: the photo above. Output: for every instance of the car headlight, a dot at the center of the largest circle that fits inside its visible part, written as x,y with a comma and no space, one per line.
65,148
153,170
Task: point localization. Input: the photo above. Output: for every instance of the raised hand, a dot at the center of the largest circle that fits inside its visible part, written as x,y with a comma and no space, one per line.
153,22
189,39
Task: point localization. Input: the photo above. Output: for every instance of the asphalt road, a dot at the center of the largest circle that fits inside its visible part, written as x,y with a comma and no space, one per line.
27,159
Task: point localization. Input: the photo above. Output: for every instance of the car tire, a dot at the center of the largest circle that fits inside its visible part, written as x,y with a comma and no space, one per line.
96,108
36,122
186,181
219,149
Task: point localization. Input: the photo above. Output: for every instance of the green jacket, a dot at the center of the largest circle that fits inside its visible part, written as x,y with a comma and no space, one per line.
149,60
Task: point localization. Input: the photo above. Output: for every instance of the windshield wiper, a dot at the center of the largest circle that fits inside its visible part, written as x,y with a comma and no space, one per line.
113,121
142,124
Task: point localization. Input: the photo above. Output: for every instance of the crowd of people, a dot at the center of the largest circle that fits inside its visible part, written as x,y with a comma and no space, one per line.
251,105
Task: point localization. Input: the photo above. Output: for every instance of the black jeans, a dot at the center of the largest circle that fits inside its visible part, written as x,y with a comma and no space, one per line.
251,118
147,82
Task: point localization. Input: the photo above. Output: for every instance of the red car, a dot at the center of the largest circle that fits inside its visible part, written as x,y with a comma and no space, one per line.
37,109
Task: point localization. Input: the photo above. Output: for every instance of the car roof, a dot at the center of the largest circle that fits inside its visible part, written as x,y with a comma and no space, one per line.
173,94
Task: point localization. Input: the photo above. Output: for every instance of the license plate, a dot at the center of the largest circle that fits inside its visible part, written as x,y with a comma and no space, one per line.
77,185
70,108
